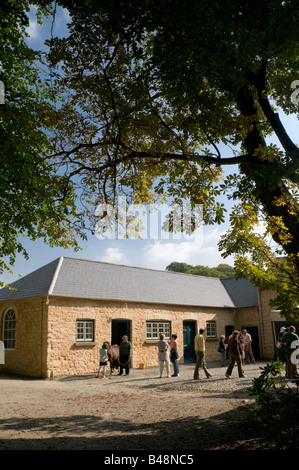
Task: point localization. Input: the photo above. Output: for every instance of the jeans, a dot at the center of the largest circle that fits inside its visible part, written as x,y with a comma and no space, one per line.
175,367
223,358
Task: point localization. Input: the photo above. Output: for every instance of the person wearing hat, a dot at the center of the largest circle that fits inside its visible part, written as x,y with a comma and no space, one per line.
280,334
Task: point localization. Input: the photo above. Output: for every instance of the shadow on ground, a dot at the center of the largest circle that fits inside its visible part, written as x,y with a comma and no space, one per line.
232,430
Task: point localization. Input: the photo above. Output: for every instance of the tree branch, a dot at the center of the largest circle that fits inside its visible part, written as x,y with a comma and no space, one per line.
259,81
210,159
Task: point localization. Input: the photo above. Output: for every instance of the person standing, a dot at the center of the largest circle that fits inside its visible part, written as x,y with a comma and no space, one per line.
247,340
174,355
199,346
282,331
163,355
222,350
288,340
125,353
235,355
103,360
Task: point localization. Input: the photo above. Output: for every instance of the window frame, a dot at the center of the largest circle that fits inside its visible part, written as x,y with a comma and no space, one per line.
155,328
211,328
9,331
87,333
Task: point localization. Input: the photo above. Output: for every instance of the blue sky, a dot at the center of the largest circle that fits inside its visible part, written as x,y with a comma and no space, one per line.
150,253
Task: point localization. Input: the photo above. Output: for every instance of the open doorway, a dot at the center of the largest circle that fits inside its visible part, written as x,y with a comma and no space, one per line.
253,331
119,328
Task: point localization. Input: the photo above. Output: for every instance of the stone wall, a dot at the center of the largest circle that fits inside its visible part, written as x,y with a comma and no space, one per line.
267,324
65,356
46,332
29,355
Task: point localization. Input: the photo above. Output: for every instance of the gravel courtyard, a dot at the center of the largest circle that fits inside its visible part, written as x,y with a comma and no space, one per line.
136,412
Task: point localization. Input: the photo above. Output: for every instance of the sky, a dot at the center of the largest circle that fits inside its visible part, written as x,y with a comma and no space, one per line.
150,253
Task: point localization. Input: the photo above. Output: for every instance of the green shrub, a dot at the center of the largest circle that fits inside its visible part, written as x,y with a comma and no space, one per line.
276,406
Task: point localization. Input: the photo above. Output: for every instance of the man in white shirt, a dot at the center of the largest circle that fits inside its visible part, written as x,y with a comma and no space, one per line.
247,341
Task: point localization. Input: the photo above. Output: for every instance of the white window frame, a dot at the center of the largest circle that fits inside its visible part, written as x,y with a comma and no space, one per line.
9,329
84,331
211,329
155,328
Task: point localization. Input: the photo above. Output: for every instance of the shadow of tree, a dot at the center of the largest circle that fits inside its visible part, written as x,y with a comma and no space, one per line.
84,432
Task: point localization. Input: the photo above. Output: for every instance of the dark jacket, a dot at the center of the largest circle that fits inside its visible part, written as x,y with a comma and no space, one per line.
234,346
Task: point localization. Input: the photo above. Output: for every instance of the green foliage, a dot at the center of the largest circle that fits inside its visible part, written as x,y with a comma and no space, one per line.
276,407
156,98
36,199
265,266
221,271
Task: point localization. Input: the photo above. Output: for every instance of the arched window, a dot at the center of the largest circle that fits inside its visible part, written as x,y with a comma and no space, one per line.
9,329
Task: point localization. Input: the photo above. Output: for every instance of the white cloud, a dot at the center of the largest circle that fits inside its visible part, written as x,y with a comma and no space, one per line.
112,255
160,254
204,252
33,30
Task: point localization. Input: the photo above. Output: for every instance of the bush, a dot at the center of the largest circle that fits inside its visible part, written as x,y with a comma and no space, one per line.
276,406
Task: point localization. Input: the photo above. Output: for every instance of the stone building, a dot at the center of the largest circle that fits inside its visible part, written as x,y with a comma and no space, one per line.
55,319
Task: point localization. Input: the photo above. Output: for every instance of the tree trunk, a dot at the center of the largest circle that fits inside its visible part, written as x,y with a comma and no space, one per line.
268,195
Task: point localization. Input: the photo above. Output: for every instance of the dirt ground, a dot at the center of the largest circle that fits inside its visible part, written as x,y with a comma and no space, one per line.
136,412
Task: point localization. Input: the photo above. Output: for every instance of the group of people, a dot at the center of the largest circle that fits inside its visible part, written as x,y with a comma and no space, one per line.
237,344
288,340
125,352
164,357
236,349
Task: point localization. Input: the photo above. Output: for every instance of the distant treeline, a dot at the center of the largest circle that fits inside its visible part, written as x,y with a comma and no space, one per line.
222,270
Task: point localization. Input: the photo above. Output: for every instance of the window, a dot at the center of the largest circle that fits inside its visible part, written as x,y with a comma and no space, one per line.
84,331
155,328
211,329
9,329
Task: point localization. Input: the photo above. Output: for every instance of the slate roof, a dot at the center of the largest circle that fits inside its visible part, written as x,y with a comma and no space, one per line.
78,278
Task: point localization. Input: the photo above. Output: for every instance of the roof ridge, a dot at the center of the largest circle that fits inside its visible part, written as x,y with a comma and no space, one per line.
54,279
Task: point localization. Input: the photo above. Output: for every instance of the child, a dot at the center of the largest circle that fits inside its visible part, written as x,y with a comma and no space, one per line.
103,360
174,355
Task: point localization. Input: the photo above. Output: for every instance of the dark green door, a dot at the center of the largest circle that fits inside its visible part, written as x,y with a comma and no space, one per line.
188,335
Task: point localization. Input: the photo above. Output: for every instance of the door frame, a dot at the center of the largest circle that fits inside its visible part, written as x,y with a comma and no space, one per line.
191,355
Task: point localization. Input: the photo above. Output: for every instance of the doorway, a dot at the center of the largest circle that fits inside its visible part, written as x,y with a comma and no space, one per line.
228,330
119,328
253,331
188,338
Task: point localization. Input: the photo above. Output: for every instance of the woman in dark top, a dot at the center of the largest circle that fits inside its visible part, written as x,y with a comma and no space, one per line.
235,355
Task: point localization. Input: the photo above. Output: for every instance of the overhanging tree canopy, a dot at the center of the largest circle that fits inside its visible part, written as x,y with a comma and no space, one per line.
151,87
36,199
156,97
